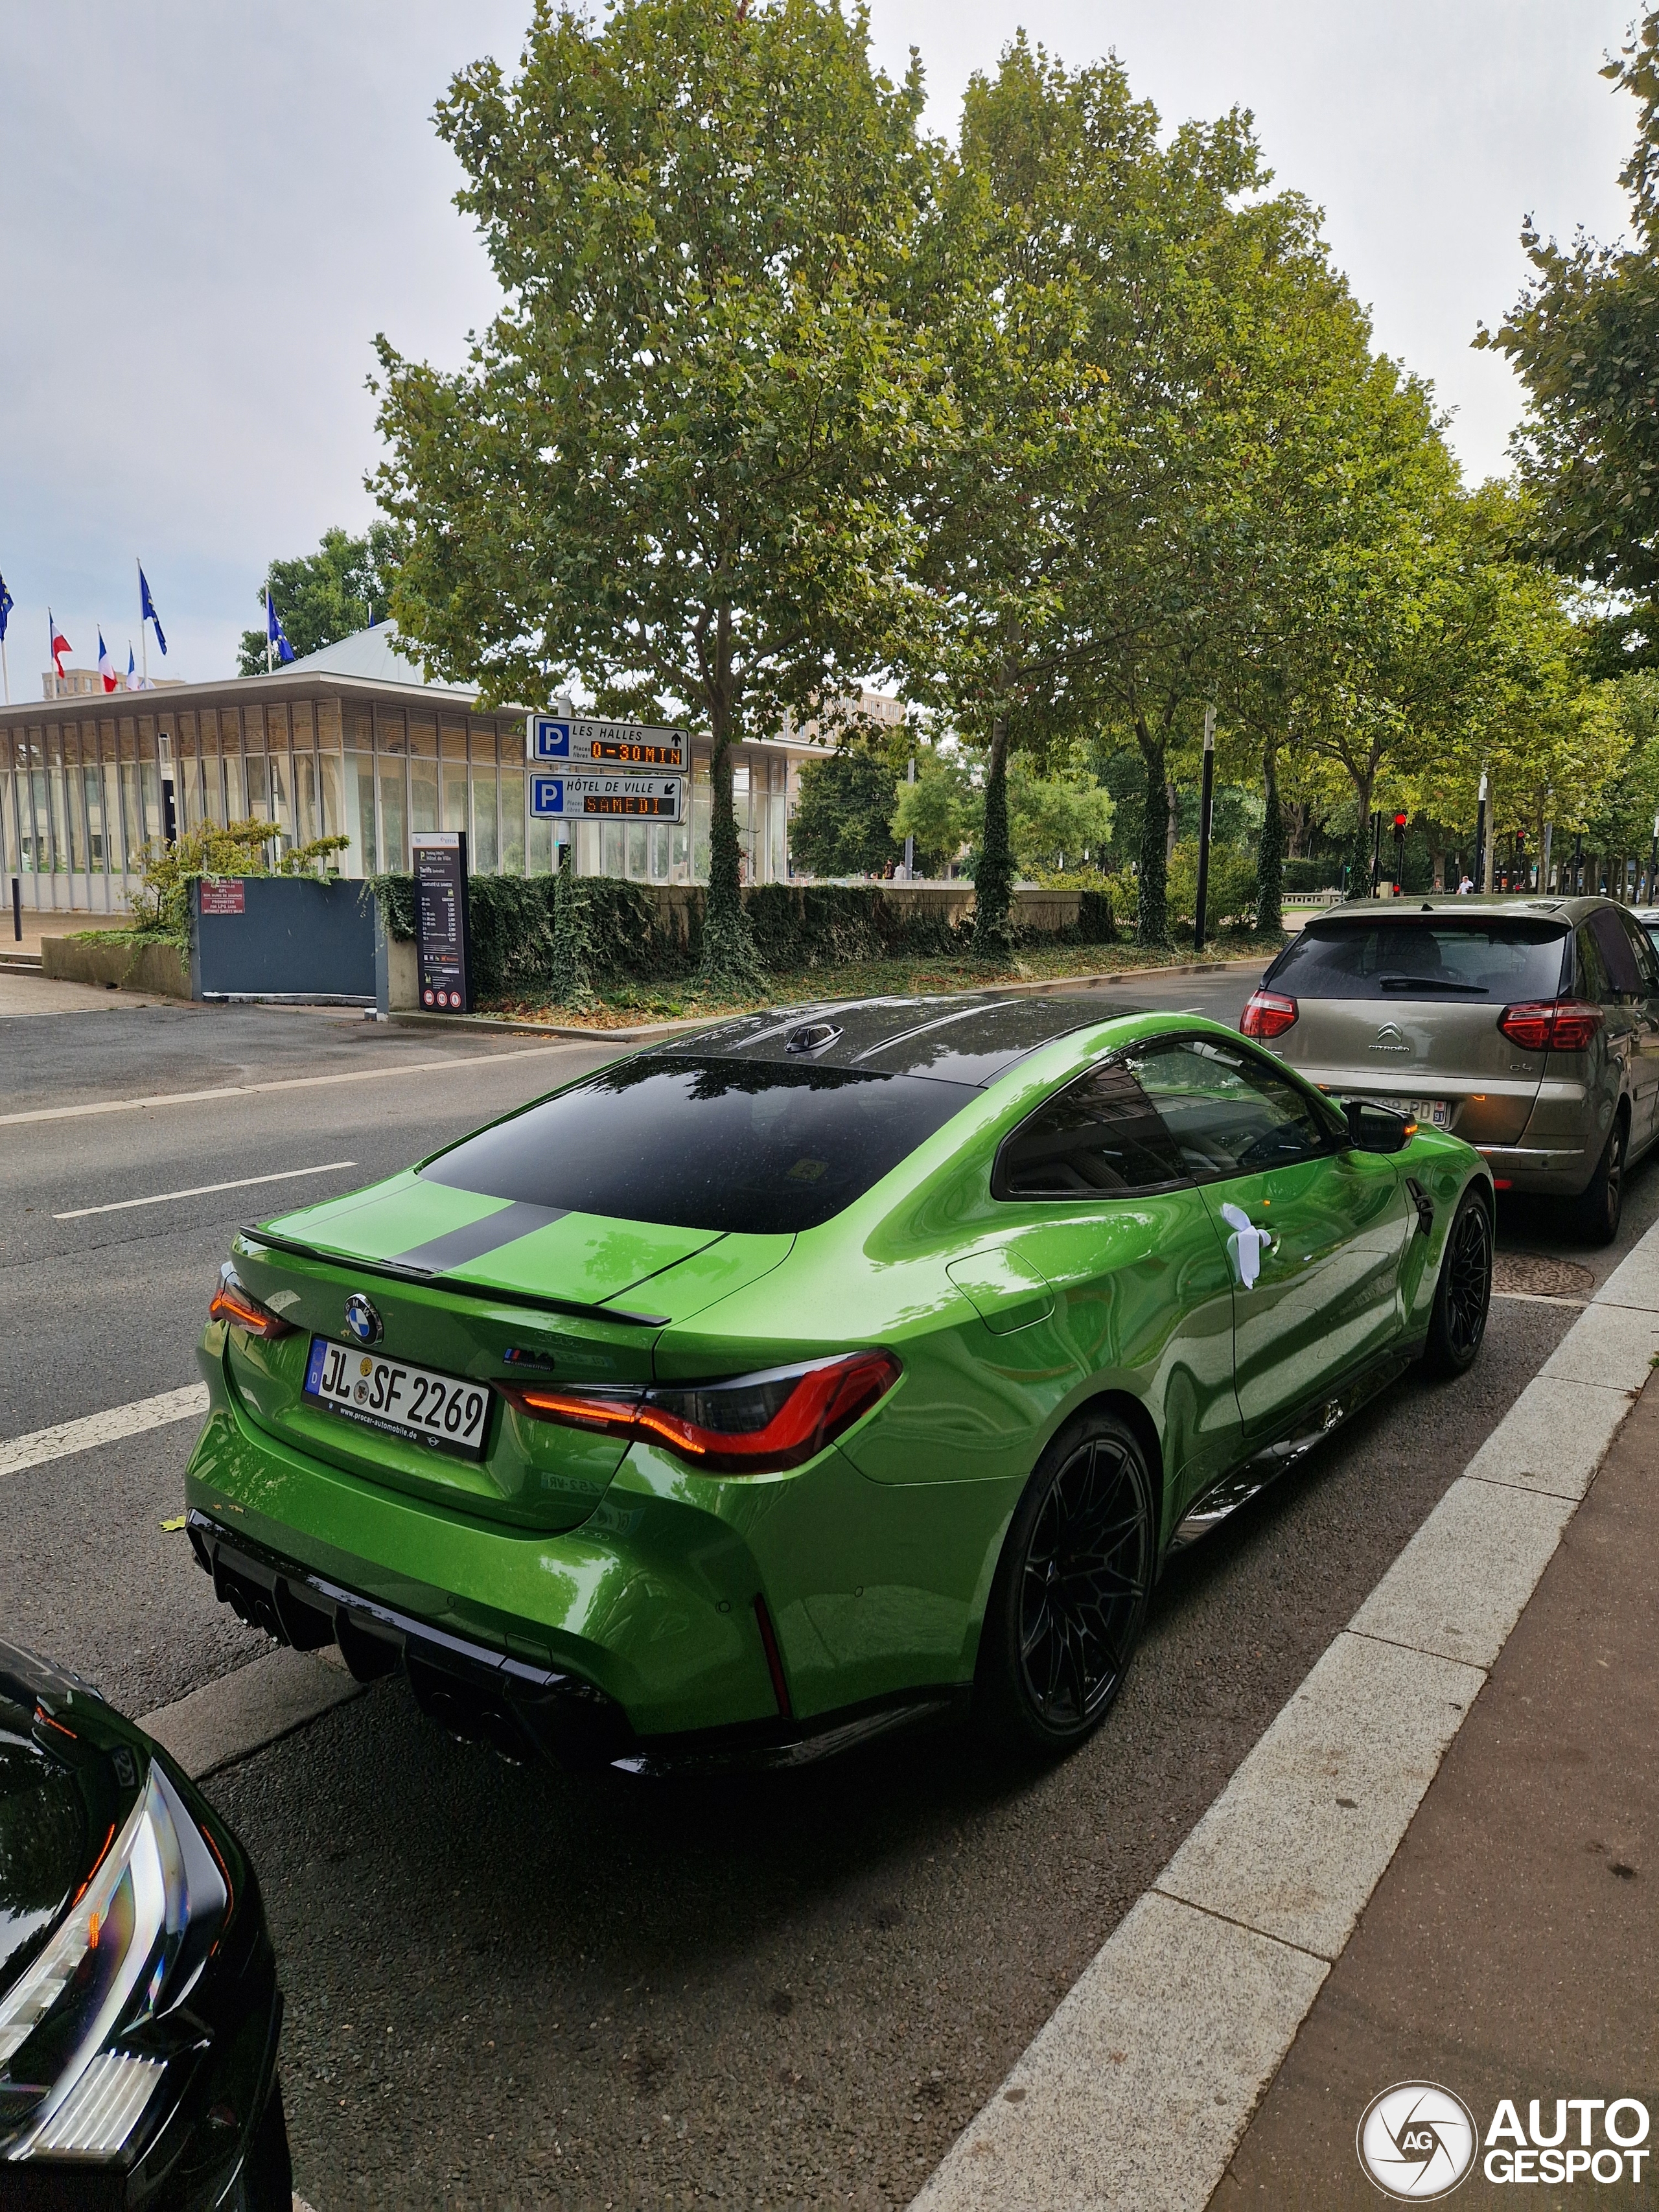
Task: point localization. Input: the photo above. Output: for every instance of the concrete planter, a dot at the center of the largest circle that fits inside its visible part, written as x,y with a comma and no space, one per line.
159,968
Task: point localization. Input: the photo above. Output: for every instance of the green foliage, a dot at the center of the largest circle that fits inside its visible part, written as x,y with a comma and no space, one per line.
1055,817
344,586
1230,893
1151,878
1270,858
840,825
1584,338
161,906
994,867
557,939
939,809
571,954
1311,875
666,469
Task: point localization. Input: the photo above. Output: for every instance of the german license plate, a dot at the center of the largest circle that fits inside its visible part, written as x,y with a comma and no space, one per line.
443,1411
1435,1112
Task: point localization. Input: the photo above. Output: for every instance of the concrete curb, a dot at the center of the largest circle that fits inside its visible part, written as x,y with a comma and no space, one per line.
239,1714
1136,2092
1044,985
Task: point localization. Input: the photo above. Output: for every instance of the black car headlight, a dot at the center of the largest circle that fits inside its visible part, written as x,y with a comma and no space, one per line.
83,2041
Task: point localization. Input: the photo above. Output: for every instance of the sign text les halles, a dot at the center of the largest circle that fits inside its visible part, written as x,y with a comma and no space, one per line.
621,744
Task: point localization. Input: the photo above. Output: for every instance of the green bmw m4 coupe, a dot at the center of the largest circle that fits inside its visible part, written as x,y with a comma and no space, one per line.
841,1364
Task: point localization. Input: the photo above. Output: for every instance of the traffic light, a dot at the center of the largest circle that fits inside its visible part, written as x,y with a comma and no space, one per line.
1398,853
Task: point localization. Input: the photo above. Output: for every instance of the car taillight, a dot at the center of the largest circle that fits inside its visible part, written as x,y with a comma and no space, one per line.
754,1424
1266,1014
1551,1024
232,1302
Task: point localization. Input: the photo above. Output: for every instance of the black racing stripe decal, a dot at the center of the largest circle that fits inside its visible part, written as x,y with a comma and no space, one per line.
455,1248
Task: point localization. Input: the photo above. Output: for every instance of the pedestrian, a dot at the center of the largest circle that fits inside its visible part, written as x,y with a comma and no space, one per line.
1465,887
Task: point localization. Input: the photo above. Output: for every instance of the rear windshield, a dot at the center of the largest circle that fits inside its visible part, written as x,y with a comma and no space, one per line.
721,1145
1437,958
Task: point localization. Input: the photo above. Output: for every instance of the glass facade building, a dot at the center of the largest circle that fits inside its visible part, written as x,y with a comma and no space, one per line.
319,752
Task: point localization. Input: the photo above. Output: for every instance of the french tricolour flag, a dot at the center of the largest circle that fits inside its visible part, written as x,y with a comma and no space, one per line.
107,666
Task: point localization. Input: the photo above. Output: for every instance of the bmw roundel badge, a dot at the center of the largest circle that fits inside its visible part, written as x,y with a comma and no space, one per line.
362,1319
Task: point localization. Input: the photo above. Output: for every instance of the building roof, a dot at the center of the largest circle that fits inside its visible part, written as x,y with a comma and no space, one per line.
373,655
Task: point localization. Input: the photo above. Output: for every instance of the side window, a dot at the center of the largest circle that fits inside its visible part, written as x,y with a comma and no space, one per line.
1098,1138
1594,981
1641,945
1229,1113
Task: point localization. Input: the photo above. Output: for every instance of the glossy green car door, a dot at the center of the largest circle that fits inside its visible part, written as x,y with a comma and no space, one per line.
1099,1208
1313,1231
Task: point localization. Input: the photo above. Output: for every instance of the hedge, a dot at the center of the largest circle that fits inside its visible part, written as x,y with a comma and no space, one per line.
628,935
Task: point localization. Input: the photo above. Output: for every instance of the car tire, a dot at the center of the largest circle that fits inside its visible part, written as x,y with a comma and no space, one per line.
1597,1209
1069,1598
1457,1323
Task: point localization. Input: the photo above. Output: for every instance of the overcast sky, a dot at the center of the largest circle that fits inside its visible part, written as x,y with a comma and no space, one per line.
209,211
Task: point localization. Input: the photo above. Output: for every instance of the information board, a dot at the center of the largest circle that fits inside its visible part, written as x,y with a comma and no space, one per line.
622,744
441,918
565,798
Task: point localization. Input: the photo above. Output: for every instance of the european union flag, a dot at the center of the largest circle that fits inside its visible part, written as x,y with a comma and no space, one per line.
5,608
147,609
274,628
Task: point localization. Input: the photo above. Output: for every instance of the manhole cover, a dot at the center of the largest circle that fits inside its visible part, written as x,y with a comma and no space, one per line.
1545,1279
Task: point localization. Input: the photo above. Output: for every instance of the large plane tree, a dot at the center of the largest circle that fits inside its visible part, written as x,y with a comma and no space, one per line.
664,472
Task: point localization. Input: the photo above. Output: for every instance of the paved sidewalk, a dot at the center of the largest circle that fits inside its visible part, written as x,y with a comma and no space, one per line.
1512,1949
1138,2093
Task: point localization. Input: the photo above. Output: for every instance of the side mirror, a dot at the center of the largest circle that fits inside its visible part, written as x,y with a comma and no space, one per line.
1376,1128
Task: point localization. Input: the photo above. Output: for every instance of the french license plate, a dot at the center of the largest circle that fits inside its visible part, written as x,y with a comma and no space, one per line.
443,1411
1435,1112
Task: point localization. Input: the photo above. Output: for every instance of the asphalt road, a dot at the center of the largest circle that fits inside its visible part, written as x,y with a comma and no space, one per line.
505,1987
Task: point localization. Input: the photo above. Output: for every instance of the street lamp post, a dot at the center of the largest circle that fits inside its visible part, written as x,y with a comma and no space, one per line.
1480,836
1206,790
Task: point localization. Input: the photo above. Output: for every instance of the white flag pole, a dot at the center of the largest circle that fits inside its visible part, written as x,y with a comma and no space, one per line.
144,627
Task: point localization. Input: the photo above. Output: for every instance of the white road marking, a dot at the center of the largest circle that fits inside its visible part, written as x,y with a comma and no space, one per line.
204,1189
107,1428
285,1083
1207,1979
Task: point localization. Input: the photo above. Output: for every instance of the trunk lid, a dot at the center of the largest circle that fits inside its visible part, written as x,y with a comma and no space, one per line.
484,1290
1420,1053
1403,1005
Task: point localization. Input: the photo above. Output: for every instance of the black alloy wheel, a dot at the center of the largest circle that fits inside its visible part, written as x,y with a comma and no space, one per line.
1598,1209
1071,1591
1463,1295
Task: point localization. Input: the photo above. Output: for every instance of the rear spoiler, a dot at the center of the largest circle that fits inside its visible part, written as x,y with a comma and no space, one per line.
390,1271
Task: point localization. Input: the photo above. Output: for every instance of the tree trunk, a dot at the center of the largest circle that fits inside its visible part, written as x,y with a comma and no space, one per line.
729,958
1360,855
1151,917
1270,854
993,877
